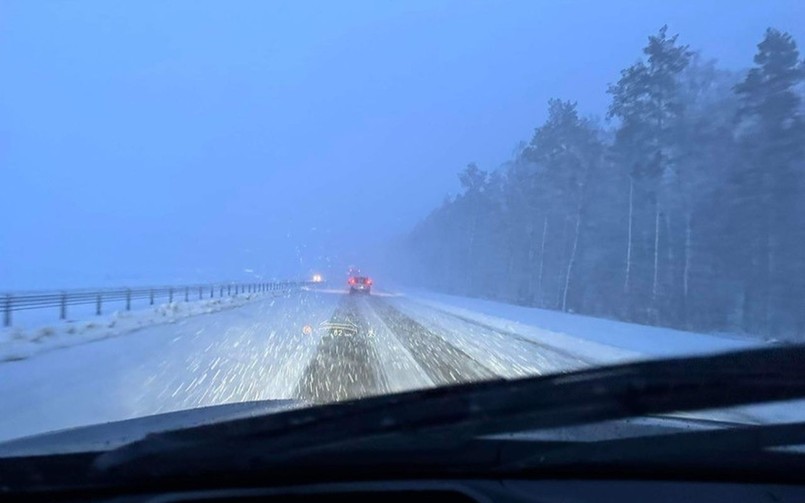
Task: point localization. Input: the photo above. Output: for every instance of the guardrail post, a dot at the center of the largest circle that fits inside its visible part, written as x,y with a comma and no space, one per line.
199,292
221,291
236,289
212,291
128,299
186,294
98,305
228,290
170,295
151,297
7,311
63,307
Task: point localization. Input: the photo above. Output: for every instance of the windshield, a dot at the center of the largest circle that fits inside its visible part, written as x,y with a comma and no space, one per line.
210,203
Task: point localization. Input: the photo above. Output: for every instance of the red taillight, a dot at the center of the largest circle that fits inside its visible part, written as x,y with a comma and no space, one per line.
351,281
368,281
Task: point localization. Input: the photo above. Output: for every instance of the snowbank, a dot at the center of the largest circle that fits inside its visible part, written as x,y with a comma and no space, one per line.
584,334
606,341
18,343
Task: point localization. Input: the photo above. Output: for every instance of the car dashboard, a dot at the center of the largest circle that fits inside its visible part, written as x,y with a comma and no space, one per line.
469,491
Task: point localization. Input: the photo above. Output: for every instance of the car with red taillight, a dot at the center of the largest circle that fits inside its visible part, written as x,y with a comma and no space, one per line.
360,284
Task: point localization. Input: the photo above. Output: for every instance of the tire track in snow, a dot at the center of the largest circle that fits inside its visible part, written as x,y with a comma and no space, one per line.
506,352
443,362
401,368
345,365
545,347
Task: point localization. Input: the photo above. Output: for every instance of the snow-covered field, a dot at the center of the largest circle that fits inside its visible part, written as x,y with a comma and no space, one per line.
204,353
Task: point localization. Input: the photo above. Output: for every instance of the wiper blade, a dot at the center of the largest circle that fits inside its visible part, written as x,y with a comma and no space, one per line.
450,416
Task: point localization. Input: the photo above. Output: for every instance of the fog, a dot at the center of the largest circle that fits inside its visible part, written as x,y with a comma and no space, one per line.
154,142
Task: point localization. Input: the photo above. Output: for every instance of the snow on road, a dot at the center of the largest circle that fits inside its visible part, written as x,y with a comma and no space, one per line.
287,347
598,339
585,339
255,351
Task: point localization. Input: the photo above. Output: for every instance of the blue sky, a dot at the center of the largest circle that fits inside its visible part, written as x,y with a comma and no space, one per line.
152,142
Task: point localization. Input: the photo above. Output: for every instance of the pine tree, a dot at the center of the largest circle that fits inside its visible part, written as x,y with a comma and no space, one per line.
568,149
647,101
767,186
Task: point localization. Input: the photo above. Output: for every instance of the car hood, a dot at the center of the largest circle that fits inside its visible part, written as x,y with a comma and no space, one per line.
105,436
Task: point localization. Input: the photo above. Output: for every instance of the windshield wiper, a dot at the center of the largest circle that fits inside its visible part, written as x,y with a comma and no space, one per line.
447,417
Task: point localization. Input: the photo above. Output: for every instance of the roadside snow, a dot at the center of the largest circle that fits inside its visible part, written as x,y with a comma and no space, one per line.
18,343
599,340
596,338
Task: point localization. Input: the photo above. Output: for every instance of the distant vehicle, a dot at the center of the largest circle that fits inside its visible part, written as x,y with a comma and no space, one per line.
317,278
360,284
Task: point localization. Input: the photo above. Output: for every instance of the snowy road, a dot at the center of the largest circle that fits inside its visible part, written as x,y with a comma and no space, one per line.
315,346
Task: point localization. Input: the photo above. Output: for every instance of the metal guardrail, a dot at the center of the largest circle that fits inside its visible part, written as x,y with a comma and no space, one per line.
10,302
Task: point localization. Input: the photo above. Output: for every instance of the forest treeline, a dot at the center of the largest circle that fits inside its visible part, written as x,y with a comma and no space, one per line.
686,208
